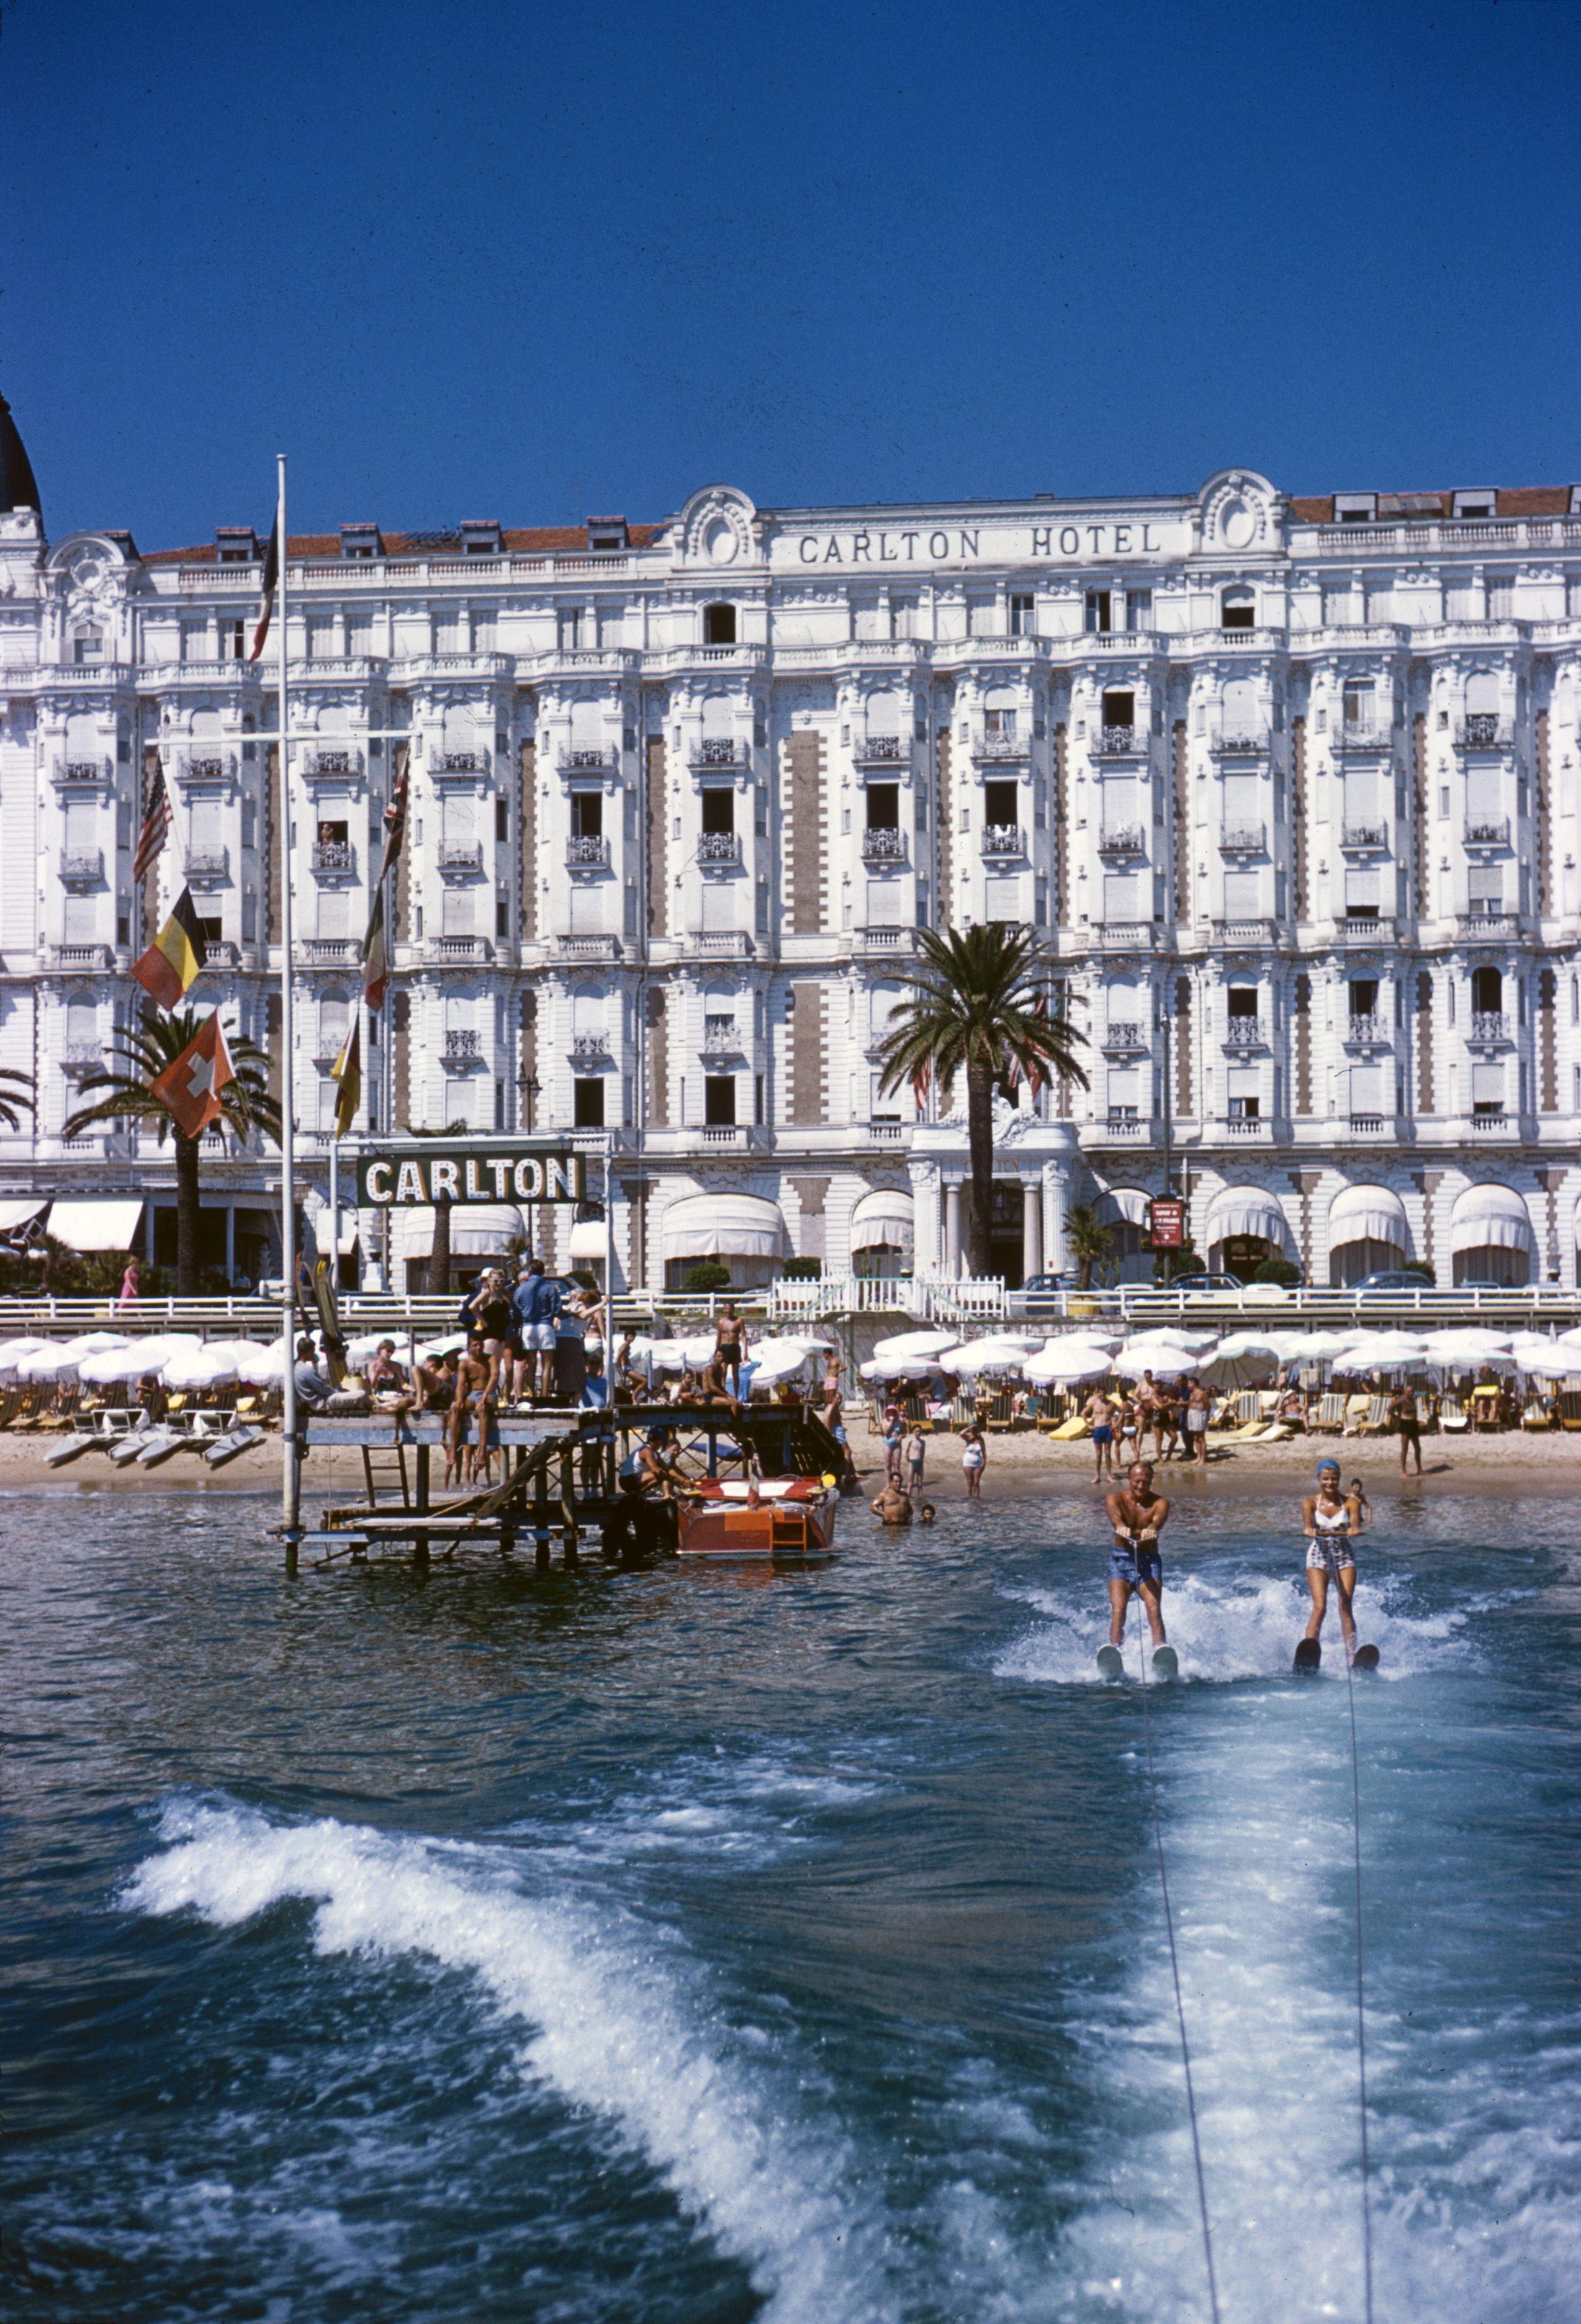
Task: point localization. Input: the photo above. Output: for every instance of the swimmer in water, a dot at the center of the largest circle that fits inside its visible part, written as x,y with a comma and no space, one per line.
1138,1514
1330,1521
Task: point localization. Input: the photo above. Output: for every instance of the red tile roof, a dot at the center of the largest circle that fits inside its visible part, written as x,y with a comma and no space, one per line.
532,541
1520,500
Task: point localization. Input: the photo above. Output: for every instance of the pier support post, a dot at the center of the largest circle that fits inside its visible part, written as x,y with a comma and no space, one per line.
568,1506
540,1518
419,1546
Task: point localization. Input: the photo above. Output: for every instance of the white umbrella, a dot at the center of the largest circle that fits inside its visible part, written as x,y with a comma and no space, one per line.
45,1363
12,1352
913,1344
776,1359
1467,1347
159,1348
1063,1362
94,1343
111,1365
204,1368
259,1365
1168,1364
1241,1361
995,1353
898,1367
1306,1345
1177,1336
1382,1351
1546,1358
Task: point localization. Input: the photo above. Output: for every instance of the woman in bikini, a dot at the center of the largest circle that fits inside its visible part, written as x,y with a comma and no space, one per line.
1330,1521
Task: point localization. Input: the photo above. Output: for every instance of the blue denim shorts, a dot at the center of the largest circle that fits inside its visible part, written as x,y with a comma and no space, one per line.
1138,1564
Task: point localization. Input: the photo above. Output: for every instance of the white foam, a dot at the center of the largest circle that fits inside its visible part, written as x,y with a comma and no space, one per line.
606,2001
1228,1628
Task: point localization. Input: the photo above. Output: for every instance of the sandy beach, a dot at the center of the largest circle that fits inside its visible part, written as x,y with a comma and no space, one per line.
1019,1468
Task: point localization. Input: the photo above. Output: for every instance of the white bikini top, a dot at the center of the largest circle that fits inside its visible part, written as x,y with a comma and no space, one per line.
1331,1521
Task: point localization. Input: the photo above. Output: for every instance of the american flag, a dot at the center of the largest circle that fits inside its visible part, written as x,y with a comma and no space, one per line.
156,819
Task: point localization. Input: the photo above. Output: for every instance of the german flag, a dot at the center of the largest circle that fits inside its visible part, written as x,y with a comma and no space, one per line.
178,955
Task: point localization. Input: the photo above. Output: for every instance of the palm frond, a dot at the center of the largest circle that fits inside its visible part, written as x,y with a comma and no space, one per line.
976,1002
145,1051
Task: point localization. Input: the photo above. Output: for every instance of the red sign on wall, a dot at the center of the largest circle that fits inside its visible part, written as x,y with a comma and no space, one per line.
1169,1225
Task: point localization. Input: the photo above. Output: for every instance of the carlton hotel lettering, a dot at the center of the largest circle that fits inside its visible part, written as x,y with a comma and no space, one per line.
961,544
1291,788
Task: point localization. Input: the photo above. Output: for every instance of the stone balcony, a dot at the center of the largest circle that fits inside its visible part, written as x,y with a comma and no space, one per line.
1120,742
1361,736
1492,831
1242,1033
881,751
1240,744
1367,1032
572,946
463,1046
720,754
1125,1040
605,761
69,773
1123,839
1367,837
996,749
333,858
1485,732
208,867
1243,839
460,861
82,867
590,1048
1488,1029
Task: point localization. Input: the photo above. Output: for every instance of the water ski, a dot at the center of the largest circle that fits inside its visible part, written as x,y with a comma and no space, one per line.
1110,1663
1367,1658
1165,1662
1309,1654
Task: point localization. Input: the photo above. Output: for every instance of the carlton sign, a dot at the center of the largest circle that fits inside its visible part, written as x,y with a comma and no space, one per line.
400,1178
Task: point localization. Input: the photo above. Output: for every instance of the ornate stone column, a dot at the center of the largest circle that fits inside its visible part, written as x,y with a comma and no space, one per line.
1032,1228
952,1229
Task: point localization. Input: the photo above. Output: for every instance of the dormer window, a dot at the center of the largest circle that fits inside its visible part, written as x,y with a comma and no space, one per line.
1354,508
1470,505
607,532
361,542
235,544
481,537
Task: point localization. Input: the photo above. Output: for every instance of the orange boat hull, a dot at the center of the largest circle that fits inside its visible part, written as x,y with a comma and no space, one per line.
792,1529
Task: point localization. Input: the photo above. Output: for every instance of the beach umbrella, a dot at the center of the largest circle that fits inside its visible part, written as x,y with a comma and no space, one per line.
12,1352
898,1367
1241,1361
111,1365
451,1343
1545,1359
46,1363
1382,1351
995,1353
1304,1346
1466,1350
260,1364
197,1369
94,1343
1063,1362
1164,1363
913,1344
1177,1336
776,1359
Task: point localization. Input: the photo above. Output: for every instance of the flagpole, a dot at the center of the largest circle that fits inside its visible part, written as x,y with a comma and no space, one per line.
291,1485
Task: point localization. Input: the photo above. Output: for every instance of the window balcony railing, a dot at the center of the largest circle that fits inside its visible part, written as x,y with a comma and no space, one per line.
1486,920
1124,839
721,1133
462,762
1244,932
1247,1126
722,1041
1125,1126
1245,1033
1002,839
1239,745
82,1058
1369,1125
586,851
83,771
1242,839
1362,734
1002,746
1365,928
1492,832
1368,1032
580,947
330,948
588,762
461,1044
1489,1025
1364,835
590,1048
334,856
460,859
1129,1040
82,867
335,763
82,955
1128,936
879,846
204,771
208,867
1119,742
1494,1123
461,947
886,1133
881,751
1485,731
719,750
720,847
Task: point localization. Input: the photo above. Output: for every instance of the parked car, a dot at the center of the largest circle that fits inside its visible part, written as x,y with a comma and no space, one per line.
1212,1290
1393,1278
1039,1295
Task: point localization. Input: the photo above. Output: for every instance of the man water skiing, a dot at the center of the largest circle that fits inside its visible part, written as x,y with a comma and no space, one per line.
1138,1514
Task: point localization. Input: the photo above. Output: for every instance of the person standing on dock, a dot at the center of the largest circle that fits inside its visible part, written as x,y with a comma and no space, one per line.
474,1374
730,1343
537,1305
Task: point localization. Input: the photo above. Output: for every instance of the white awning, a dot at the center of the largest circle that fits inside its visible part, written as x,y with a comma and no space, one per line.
96,1226
17,1213
723,1226
1127,1202
477,1230
1490,1218
886,1217
347,1231
1367,1214
1245,1211
588,1240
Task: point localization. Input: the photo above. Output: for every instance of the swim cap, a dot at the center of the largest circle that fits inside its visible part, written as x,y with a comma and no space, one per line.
1324,1467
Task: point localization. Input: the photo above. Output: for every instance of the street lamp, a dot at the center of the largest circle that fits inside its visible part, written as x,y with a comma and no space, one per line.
529,1085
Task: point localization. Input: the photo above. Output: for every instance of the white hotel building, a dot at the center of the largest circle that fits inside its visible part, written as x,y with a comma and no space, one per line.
1292,786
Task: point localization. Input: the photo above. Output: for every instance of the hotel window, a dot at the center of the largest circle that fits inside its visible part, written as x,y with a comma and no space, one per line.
194,641
1139,609
1098,614
719,1101
587,814
883,807
1500,596
233,640
1001,722
719,625
1022,613
1237,610
588,1104
718,810
87,647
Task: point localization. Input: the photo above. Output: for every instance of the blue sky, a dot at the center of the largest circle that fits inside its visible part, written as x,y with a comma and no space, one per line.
509,261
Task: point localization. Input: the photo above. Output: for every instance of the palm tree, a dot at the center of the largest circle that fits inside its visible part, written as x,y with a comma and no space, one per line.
1088,1238
246,1105
17,1097
978,1009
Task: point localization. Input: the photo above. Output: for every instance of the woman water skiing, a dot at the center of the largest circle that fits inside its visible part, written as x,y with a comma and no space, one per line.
1330,1521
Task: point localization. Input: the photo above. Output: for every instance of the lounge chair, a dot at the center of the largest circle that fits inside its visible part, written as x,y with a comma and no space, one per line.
1426,1416
1537,1414
1452,1416
1330,1416
1569,1404
1357,1408
1486,1407
1374,1420
1066,1432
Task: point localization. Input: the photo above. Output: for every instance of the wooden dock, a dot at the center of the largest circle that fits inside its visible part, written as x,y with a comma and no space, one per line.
557,1475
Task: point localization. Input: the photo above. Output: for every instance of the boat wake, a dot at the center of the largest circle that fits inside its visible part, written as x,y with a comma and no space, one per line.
602,2000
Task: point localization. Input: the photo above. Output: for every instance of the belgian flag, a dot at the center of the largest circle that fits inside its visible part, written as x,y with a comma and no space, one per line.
173,960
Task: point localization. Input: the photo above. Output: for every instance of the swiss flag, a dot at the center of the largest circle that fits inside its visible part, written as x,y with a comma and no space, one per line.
190,1086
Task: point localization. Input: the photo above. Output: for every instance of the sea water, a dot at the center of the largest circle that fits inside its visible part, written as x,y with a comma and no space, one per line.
695,1946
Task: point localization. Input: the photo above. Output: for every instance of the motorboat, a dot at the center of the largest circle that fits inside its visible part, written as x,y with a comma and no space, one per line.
790,1518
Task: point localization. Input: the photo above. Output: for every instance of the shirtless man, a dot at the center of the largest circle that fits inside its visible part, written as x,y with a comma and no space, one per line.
474,1392
1101,1413
894,1506
1138,1514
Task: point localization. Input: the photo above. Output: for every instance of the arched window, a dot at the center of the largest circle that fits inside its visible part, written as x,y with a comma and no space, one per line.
719,625
1487,992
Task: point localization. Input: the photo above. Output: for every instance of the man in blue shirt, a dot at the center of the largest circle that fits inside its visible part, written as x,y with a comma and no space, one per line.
537,1303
